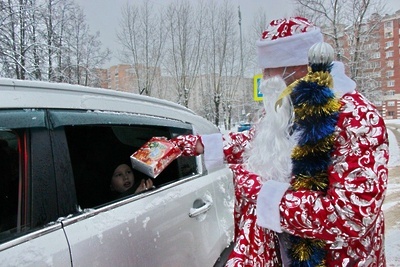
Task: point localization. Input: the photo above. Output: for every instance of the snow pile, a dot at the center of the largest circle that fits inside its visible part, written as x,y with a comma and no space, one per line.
392,242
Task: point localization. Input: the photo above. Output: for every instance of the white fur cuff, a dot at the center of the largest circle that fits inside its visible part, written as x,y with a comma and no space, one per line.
269,198
213,151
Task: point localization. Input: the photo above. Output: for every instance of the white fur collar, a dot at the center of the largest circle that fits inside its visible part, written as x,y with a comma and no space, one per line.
342,84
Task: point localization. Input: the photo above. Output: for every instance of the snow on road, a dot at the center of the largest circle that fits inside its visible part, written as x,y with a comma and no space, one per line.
391,206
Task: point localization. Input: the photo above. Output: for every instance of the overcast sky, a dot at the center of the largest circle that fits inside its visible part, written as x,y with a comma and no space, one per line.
104,15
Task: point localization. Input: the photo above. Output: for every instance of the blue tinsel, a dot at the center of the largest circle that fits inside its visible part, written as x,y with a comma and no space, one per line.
311,165
318,255
321,67
311,130
311,93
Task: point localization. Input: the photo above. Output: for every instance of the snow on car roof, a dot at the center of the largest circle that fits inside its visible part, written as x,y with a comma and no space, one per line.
38,94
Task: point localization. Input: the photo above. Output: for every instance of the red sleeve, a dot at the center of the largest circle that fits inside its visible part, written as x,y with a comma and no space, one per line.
187,143
235,144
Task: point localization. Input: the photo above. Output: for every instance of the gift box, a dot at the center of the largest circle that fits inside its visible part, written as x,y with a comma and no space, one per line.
154,156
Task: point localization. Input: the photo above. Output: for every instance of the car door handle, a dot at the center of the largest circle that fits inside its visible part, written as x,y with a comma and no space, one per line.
194,212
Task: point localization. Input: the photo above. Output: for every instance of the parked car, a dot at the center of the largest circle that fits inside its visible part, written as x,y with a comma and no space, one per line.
57,141
244,127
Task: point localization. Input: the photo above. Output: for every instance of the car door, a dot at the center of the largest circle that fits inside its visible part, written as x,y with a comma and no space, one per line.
175,224
30,232
153,229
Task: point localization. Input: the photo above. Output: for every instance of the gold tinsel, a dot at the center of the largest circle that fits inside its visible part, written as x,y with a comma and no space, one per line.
322,78
318,182
302,111
323,145
304,249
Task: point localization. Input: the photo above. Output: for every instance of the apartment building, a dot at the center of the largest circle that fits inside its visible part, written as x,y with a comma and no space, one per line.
377,67
124,77
390,60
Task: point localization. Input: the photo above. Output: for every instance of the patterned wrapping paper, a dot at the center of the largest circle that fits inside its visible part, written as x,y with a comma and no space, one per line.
154,156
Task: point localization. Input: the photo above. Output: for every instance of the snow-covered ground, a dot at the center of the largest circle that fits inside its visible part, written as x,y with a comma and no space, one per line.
391,206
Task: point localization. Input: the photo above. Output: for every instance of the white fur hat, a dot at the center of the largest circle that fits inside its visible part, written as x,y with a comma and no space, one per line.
286,42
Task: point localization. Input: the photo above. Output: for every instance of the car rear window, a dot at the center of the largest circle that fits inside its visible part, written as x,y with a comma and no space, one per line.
9,183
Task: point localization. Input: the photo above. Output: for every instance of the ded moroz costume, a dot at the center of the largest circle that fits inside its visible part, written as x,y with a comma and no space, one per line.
330,213
310,177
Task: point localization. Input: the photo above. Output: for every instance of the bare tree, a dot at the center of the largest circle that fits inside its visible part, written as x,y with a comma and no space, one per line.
351,27
185,27
56,16
37,73
13,33
223,56
93,58
142,35
36,41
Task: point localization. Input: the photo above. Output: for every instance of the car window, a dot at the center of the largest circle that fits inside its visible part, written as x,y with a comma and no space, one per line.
96,149
28,188
9,183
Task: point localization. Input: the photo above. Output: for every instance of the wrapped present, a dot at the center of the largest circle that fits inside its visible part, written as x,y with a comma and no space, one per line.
154,156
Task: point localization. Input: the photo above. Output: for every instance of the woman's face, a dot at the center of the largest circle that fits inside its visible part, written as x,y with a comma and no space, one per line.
122,178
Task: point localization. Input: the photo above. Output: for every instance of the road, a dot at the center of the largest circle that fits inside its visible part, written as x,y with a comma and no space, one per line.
392,214
392,209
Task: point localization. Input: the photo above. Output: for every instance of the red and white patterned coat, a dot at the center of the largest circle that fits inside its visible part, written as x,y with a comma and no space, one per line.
349,216
254,245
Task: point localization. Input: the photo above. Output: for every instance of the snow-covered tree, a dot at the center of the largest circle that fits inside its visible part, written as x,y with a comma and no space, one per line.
222,61
37,41
185,48
351,26
142,37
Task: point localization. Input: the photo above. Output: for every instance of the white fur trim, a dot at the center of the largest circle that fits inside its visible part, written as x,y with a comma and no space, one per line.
269,198
342,84
276,164
287,51
213,151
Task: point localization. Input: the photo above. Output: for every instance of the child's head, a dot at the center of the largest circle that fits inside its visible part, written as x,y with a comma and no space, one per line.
122,179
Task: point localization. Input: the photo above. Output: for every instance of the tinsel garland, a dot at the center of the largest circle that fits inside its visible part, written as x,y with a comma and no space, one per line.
316,113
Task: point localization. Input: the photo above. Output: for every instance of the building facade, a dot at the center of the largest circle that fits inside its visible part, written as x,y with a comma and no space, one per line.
374,63
390,47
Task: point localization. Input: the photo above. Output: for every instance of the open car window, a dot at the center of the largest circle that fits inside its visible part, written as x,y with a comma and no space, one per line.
97,148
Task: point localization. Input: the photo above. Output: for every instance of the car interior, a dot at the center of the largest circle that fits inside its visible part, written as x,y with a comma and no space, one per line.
96,150
9,170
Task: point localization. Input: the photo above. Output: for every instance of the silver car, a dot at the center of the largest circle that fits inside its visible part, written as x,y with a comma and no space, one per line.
58,142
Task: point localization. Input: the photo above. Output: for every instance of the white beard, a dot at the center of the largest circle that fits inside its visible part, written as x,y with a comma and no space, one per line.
269,153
